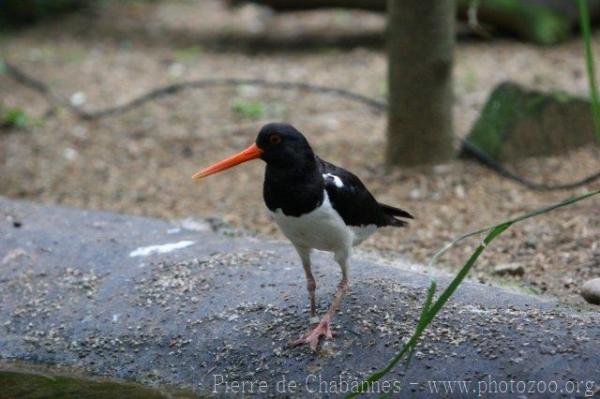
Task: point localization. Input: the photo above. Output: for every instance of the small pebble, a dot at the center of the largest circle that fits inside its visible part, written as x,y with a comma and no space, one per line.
513,269
590,291
78,98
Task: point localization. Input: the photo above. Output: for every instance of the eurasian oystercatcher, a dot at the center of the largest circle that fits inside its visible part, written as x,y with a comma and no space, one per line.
316,204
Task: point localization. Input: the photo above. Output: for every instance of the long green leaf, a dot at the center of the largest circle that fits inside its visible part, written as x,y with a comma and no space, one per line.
424,312
586,31
431,310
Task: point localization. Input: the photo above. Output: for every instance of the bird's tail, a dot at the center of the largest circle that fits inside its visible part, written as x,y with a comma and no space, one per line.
394,214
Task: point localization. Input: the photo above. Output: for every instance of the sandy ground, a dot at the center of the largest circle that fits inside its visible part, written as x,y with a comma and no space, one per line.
141,162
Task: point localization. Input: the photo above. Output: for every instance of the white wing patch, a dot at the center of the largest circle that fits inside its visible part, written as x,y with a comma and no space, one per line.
336,180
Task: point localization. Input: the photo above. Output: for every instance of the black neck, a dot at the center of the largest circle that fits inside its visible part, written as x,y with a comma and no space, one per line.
295,190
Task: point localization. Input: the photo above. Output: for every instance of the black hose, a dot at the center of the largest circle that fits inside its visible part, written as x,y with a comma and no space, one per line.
18,75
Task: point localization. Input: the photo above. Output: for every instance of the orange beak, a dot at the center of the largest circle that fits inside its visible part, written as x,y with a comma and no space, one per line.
248,154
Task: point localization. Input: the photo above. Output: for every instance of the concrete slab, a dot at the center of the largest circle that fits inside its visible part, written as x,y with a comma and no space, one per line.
212,310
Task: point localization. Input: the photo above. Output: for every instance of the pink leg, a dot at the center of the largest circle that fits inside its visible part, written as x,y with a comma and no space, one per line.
323,329
311,284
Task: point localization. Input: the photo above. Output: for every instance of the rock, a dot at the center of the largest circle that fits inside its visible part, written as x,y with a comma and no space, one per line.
590,291
517,123
223,310
513,269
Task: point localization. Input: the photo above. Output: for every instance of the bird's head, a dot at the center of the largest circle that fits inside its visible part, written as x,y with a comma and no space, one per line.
280,145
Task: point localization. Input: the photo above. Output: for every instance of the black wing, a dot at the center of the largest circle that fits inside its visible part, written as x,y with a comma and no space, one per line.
355,204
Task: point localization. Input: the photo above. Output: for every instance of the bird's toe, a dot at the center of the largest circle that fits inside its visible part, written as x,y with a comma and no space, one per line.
313,337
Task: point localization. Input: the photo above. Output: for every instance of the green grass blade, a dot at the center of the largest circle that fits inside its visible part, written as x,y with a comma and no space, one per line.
460,276
586,31
431,310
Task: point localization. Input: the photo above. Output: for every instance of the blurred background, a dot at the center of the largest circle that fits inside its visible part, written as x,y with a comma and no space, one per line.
93,55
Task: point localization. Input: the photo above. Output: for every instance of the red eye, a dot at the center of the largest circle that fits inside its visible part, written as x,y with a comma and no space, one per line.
275,139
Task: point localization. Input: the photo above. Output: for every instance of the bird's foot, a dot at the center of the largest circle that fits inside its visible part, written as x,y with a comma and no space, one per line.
323,329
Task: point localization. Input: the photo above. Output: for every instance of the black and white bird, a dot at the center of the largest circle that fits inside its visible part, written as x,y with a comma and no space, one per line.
316,204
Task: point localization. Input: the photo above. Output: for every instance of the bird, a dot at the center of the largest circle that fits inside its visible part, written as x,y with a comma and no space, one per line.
317,205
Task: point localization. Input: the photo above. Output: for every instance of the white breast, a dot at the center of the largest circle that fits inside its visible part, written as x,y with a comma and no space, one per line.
322,229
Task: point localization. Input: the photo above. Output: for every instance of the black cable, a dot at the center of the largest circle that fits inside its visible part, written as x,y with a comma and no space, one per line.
174,88
380,106
491,163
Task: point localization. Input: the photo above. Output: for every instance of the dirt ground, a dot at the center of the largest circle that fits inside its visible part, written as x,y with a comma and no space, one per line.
141,162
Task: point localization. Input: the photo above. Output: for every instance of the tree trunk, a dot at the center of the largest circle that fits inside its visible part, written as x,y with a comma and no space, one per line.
420,41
